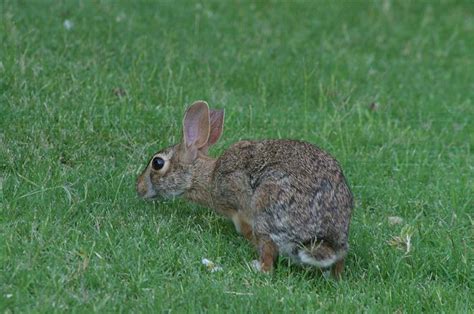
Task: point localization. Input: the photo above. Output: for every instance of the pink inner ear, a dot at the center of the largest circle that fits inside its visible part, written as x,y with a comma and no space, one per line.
196,125
191,134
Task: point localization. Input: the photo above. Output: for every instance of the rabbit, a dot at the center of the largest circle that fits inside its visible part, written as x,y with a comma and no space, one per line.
287,197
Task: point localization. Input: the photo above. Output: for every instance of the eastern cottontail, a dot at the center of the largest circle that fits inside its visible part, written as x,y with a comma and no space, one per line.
285,196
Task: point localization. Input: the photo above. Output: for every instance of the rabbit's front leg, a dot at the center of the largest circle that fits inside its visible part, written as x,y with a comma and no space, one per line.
268,253
243,227
267,249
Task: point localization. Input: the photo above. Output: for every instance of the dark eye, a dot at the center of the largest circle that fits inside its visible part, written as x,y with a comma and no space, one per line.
157,163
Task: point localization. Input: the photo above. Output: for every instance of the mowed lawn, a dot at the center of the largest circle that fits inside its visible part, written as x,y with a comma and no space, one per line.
89,90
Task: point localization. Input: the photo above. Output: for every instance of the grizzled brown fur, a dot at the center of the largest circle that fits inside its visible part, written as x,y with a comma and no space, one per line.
287,197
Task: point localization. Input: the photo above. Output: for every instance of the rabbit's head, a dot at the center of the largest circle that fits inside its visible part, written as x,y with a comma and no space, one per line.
172,171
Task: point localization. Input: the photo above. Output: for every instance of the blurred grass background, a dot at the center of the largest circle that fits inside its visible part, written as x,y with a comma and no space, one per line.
90,89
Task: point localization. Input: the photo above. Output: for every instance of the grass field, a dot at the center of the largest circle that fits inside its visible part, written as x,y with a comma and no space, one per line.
90,89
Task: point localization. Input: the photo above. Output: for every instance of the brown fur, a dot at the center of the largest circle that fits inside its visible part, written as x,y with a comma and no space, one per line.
287,197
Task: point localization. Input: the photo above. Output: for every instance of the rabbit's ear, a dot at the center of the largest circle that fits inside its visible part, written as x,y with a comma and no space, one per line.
216,118
196,128
217,124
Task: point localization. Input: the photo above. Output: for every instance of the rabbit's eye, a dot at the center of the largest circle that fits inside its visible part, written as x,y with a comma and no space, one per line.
157,163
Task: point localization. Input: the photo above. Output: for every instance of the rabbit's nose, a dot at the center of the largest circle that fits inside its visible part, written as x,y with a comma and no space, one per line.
141,186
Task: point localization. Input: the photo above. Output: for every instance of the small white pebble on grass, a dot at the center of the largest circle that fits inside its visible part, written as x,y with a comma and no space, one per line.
68,24
395,220
210,265
8,295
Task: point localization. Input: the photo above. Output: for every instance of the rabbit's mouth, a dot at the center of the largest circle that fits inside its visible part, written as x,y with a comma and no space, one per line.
152,195
148,191
171,195
145,188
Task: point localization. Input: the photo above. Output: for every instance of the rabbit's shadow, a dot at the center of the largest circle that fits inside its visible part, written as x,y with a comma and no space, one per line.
189,216
204,221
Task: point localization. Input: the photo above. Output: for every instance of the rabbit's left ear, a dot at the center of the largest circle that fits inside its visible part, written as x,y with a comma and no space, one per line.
196,128
216,119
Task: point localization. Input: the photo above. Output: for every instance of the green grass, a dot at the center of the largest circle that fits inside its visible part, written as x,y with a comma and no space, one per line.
75,237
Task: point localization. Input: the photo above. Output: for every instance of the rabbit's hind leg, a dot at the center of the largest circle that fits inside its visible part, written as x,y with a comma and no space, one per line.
337,268
268,253
267,249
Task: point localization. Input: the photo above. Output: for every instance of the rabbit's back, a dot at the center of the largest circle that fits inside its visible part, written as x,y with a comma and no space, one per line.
291,190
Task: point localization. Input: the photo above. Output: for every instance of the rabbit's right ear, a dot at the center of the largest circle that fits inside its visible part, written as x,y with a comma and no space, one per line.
196,129
216,119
